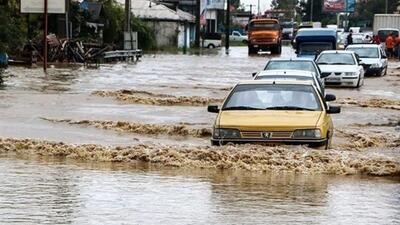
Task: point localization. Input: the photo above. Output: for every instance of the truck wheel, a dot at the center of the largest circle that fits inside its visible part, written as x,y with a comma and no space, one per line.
211,46
252,50
276,49
244,41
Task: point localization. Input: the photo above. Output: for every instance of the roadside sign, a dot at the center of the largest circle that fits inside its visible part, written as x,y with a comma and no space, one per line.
130,40
339,6
37,6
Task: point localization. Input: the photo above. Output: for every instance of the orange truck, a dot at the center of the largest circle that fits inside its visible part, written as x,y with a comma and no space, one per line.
264,34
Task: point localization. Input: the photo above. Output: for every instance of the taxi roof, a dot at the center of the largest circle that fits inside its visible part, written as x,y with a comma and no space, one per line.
292,59
295,82
286,72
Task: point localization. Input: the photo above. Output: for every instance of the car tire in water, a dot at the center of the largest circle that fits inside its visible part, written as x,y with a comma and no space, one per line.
328,142
358,83
252,50
215,143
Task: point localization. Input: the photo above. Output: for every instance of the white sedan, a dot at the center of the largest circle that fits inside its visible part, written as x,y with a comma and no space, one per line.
341,68
291,75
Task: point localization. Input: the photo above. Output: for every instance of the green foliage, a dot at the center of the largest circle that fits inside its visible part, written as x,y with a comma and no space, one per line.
13,28
318,15
365,11
145,34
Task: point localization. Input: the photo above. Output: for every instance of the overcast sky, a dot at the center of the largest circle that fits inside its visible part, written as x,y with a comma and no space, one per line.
264,4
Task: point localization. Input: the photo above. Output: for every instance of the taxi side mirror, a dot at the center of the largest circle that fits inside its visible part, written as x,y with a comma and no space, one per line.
213,109
333,110
330,97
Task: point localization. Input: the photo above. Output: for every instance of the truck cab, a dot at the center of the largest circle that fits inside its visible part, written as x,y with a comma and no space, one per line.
264,34
309,42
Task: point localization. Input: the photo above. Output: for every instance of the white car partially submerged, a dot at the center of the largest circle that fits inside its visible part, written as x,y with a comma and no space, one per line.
341,68
373,56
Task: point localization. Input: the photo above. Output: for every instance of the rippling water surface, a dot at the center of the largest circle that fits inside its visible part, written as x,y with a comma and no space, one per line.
51,191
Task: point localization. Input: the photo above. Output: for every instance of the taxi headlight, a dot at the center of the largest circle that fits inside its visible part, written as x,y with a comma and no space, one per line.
226,133
307,133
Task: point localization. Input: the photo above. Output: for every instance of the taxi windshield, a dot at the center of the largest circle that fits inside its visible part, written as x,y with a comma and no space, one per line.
273,97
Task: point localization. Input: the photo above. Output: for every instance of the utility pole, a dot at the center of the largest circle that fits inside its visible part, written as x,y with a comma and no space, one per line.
45,37
67,19
386,6
312,9
197,38
258,12
228,27
127,15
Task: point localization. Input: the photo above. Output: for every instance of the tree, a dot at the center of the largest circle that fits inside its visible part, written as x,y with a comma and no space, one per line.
13,27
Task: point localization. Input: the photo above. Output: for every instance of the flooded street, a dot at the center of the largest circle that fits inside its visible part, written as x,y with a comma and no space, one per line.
51,191
129,144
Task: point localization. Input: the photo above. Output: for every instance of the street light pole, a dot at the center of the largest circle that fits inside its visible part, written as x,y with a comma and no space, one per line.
312,9
258,12
45,37
227,28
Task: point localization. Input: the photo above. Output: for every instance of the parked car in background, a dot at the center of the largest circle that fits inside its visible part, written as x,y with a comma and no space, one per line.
211,40
341,68
301,75
289,112
358,38
237,36
289,30
373,56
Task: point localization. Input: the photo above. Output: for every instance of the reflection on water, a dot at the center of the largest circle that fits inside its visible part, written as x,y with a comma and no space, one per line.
51,191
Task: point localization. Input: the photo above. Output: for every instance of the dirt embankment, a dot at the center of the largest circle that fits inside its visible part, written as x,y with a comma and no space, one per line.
245,157
148,98
371,103
137,128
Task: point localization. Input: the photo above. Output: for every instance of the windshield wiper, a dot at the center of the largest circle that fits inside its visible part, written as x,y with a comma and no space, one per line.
288,108
241,108
323,63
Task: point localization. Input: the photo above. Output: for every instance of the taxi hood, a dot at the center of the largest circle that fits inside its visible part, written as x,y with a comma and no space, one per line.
274,120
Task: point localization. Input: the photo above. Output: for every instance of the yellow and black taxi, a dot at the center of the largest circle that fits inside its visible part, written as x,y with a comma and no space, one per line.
284,111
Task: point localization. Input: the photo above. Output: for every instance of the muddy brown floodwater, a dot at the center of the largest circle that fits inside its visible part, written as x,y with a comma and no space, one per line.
129,144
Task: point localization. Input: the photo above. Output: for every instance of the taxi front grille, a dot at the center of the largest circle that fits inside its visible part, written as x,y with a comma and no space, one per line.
272,135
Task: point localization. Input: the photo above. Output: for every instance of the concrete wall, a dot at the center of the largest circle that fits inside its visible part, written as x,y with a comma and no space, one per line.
166,33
